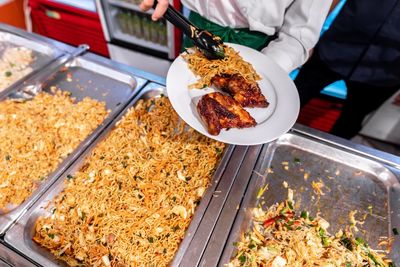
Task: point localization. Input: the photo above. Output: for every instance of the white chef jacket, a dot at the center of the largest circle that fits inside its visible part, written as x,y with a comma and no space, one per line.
297,23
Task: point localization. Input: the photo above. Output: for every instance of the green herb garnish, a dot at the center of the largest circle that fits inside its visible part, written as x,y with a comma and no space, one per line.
290,205
218,150
324,238
252,245
261,191
242,258
304,214
345,241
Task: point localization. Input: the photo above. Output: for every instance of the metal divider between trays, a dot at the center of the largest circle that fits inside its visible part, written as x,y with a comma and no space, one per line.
194,250
211,253
232,187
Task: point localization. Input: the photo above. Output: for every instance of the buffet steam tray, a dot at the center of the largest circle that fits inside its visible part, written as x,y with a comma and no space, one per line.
43,53
351,182
85,76
19,236
7,255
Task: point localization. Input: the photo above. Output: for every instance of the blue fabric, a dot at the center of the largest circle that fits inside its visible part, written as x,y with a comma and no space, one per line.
332,16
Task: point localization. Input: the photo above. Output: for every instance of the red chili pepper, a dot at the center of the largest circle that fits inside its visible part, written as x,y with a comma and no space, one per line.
285,217
269,222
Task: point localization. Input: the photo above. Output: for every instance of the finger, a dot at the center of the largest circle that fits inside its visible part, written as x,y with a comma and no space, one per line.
146,5
160,9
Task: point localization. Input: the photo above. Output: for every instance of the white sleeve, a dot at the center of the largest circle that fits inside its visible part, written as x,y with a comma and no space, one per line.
299,33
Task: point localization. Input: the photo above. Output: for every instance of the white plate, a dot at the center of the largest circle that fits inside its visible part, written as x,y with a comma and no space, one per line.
272,121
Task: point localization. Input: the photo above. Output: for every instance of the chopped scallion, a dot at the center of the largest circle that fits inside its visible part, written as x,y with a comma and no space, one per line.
304,214
242,258
261,191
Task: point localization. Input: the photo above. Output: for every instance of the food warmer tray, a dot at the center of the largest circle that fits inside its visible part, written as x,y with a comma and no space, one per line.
354,178
19,236
85,76
43,51
7,255
3,263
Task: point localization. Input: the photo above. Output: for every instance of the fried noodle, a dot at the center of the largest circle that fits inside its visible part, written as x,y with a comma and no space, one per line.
134,197
36,135
280,237
206,69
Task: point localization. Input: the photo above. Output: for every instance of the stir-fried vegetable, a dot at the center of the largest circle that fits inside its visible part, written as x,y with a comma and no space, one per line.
280,237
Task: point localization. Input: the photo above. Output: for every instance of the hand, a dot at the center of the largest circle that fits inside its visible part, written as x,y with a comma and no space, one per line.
160,8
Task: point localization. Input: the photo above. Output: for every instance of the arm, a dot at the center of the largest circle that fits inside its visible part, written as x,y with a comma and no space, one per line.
299,33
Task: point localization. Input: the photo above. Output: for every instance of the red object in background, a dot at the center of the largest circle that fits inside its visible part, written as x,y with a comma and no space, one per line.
320,114
68,24
178,38
12,12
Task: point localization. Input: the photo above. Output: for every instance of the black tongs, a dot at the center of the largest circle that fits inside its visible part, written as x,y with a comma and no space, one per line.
210,45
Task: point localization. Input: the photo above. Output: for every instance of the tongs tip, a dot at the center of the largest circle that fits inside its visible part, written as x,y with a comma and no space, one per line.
211,45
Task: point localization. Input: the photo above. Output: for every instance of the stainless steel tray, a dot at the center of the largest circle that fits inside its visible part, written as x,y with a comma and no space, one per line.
351,182
99,79
227,188
19,236
43,52
3,263
7,256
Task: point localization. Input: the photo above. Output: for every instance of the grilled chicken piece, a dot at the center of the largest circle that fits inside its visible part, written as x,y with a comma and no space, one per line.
247,94
219,111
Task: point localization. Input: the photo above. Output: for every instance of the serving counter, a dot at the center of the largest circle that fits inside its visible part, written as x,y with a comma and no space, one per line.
353,177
